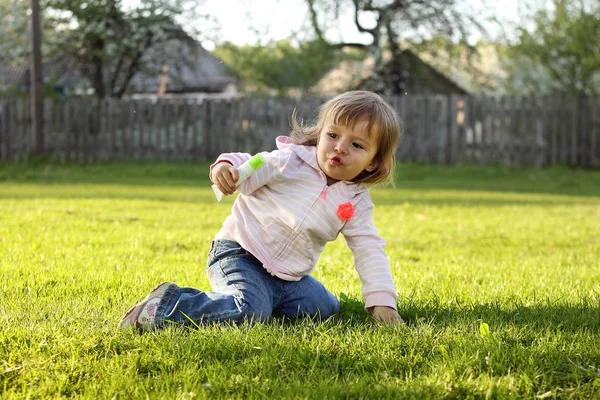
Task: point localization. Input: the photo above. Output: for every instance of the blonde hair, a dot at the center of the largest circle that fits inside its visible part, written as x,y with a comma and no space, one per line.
354,107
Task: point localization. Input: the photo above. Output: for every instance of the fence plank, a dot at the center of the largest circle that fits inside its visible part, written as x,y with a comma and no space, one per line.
420,134
67,131
154,140
47,124
85,134
5,131
21,151
563,129
484,136
403,104
186,135
492,119
127,131
594,131
470,138
452,116
528,133
196,130
465,131
144,130
584,133
528,147
168,118
498,125
574,127
555,106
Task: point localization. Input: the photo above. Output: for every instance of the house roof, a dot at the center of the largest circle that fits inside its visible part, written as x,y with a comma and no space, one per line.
12,75
191,69
58,71
433,73
422,77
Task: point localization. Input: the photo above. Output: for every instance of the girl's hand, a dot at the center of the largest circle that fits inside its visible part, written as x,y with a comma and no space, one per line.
387,315
224,176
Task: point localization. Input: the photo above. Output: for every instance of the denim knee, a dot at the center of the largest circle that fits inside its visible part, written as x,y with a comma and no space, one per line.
254,311
329,309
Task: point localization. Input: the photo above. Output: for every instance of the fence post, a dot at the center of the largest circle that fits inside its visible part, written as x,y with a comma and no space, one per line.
574,127
594,129
37,99
4,132
441,105
207,129
452,128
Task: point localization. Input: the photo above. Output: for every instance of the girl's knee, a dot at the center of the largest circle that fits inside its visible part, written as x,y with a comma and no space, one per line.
320,311
332,308
254,312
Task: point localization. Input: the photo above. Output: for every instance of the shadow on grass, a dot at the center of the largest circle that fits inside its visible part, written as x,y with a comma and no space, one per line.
553,180
497,178
135,173
540,317
203,194
579,317
350,356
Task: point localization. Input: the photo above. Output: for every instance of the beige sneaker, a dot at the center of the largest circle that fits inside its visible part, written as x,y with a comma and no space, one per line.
141,316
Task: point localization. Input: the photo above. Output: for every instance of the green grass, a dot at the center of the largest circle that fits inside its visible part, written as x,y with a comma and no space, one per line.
516,250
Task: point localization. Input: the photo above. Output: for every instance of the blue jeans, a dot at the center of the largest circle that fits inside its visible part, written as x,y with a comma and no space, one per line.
243,289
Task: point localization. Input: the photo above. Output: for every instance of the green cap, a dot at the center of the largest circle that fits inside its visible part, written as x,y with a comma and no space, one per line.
257,161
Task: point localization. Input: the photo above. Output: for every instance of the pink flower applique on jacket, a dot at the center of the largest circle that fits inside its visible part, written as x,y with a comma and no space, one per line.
345,211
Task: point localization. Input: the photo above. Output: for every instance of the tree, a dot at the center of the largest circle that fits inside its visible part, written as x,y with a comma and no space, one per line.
559,51
13,23
15,48
281,65
396,23
108,41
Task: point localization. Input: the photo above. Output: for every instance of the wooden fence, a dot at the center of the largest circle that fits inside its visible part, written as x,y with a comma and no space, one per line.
438,129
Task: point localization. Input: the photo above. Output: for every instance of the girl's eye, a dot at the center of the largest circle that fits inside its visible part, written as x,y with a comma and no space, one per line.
357,145
333,135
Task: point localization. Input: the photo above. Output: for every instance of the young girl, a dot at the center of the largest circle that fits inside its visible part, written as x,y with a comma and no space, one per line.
307,192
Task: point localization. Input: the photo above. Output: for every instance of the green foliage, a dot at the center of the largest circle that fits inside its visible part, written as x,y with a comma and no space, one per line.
15,46
497,270
559,51
108,41
104,41
281,66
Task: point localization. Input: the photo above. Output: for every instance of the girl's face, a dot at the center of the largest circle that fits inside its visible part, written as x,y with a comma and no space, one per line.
343,153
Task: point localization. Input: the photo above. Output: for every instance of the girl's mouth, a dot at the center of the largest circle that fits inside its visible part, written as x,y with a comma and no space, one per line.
336,161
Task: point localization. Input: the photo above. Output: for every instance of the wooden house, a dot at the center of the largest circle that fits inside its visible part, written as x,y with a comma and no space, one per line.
419,77
183,69
192,72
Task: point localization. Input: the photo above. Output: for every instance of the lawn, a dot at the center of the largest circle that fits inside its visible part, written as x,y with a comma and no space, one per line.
498,273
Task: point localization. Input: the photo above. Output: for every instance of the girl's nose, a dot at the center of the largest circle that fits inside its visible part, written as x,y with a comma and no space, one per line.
340,148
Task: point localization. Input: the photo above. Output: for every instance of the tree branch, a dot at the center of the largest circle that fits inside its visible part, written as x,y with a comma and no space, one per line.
313,20
373,31
134,66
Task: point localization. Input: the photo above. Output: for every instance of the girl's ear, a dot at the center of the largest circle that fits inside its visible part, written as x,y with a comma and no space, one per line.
373,166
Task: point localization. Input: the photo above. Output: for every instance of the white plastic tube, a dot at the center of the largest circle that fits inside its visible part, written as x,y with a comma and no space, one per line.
244,171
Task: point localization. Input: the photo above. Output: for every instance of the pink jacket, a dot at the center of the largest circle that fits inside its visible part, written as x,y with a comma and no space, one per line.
286,213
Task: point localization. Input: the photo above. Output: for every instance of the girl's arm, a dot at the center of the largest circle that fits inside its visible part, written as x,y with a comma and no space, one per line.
274,162
370,260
